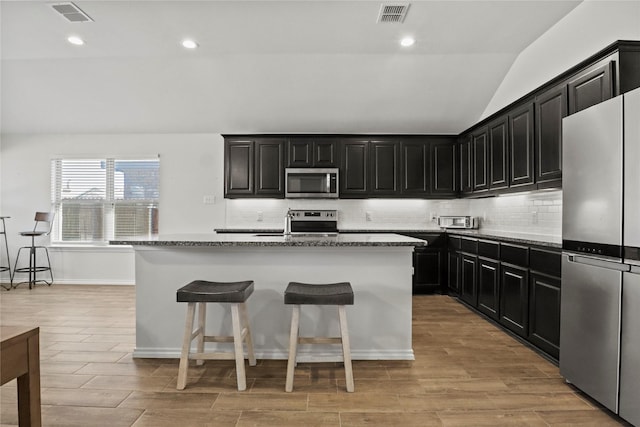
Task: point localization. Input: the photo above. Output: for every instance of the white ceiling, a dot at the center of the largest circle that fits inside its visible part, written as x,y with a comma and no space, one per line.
262,66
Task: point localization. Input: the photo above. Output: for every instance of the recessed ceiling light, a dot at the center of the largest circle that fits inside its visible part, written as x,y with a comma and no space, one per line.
189,44
407,41
75,40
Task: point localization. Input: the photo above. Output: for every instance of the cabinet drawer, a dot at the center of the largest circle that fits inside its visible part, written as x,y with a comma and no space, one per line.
547,262
469,245
517,255
489,249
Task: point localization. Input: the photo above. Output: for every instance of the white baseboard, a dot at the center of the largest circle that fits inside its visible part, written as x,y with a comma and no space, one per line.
83,282
280,354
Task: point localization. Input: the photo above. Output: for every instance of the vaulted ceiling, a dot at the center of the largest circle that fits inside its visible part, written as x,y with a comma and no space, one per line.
261,66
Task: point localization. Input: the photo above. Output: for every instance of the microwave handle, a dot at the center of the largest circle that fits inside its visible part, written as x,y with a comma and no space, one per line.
328,182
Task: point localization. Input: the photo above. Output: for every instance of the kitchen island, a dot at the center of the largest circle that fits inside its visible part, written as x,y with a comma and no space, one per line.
379,267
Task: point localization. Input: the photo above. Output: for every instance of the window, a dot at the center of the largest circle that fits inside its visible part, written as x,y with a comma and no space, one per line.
96,200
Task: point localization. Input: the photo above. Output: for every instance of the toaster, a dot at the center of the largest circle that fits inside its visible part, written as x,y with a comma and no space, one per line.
457,222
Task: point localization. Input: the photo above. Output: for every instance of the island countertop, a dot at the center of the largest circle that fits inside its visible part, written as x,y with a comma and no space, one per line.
268,239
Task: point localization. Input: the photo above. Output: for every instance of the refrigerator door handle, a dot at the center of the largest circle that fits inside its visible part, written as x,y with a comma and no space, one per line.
596,262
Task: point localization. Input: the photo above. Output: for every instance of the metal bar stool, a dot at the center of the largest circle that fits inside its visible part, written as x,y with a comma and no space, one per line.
339,294
34,268
201,292
6,247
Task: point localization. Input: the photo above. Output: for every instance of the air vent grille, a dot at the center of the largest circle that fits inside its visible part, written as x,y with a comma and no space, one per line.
71,12
393,13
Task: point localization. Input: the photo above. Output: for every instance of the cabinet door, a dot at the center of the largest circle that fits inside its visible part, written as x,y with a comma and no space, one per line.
443,165
354,173
385,161
591,88
469,281
480,160
544,313
498,157
466,166
453,272
427,271
325,154
514,299
269,167
521,145
238,164
488,287
414,168
300,152
551,108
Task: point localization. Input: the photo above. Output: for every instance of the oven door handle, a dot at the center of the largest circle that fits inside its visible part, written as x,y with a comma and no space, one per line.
597,262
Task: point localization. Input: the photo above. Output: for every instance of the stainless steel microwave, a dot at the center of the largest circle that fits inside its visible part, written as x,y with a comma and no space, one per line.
311,183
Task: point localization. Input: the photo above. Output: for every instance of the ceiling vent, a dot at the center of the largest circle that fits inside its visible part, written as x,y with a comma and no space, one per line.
71,12
394,13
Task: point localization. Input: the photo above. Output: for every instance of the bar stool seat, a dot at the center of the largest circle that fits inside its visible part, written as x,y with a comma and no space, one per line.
338,294
199,293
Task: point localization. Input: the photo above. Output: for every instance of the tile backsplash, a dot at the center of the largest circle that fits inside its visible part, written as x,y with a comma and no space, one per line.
535,212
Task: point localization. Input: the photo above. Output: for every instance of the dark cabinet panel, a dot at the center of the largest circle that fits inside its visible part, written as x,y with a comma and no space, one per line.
498,154
521,130
428,274
305,152
551,108
443,178
453,272
414,168
354,171
469,279
466,166
591,88
480,160
514,299
488,287
544,313
238,162
385,161
269,168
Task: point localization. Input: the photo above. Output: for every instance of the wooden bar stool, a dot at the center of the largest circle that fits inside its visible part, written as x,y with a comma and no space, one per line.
339,294
201,292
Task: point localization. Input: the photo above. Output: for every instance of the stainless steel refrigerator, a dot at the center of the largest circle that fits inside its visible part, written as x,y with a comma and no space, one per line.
600,302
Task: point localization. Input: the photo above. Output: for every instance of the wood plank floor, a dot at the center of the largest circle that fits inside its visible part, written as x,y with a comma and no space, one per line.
467,372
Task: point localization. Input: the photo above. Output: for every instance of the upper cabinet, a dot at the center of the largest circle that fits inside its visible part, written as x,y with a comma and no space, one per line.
466,165
316,152
521,145
385,167
498,153
354,168
592,87
480,160
550,109
443,167
414,168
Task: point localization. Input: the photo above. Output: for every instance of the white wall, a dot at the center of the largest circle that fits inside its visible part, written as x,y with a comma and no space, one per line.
588,28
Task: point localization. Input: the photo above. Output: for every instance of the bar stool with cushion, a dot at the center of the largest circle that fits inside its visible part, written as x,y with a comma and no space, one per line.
201,292
42,227
339,294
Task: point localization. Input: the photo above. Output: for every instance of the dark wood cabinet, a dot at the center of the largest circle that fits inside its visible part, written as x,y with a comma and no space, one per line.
427,266
488,287
269,167
443,165
414,168
354,170
466,165
514,302
551,108
238,167
385,165
591,87
453,272
469,279
480,160
315,152
498,154
521,145
544,313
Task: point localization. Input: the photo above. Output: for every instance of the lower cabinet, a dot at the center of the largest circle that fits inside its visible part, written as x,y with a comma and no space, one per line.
427,270
488,287
514,306
544,313
453,272
469,279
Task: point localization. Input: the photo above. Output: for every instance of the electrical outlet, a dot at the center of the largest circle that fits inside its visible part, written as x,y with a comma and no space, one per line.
260,216
369,216
534,217
209,200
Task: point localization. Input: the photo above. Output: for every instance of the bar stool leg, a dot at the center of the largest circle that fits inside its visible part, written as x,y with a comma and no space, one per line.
237,342
202,315
293,347
186,344
346,348
248,338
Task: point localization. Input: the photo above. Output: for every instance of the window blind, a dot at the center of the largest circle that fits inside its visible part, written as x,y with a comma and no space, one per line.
100,199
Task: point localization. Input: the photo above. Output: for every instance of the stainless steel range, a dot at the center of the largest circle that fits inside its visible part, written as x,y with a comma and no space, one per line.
311,222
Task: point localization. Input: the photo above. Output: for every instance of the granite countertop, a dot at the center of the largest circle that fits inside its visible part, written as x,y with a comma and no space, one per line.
260,239
546,240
